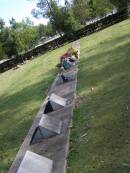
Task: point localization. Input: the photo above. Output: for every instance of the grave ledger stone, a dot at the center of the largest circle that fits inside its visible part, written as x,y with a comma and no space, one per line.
55,103
67,76
48,127
34,163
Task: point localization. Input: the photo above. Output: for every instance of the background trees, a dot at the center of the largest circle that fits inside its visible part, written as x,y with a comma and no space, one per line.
120,4
67,18
21,36
75,13
61,18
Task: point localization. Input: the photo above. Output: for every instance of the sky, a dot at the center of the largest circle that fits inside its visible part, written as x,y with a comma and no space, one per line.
19,9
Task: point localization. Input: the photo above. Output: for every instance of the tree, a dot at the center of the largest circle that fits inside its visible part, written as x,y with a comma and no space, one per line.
4,34
101,8
2,23
49,30
12,22
27,21
18,38
85,10
24,36
69,24
61,18
41,30
2,52
81,10
46,9
10,46
120,4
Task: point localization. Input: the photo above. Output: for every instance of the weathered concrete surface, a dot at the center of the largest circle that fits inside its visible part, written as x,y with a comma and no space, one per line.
54,148
48,127
71,74
57,147
57,102
34,163
66,90
50,123
54,103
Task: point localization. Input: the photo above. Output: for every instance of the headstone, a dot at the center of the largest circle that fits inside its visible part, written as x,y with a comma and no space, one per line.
34,163
72,61
48,127
67,76
70,75
55,103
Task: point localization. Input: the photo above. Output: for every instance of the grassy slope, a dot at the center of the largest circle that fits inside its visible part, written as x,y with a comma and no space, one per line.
21,94
100,138
102,117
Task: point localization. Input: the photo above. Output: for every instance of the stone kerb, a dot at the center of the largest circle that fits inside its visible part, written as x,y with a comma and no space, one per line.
53,139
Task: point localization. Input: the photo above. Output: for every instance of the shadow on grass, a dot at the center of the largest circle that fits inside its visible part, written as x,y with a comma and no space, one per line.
100,139
16,115
100,67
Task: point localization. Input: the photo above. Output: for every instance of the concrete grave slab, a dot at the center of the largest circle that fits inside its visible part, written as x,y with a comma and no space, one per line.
64,89
63,114
57,100
34,163
70,75
59,80
55,148
48,127
54,103
67,76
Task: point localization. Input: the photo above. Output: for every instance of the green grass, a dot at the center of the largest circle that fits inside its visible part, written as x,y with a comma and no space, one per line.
21,94
100,138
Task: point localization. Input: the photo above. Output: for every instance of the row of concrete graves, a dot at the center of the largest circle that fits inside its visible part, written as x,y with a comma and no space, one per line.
45,148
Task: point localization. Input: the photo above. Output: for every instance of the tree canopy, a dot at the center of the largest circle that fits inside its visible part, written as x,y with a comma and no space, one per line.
21,36
67,18
75,13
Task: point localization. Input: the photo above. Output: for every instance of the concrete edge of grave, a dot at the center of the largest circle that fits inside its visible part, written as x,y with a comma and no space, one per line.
56,79
15,165
64,89
26,144
22,150
71,123
27,140
57,148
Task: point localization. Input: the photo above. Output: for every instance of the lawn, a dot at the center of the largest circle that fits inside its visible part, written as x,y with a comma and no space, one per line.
100,138
21,94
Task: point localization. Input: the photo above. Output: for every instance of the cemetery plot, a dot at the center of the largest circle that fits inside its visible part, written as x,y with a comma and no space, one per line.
48,127
34,163
65,90
67,76
70,75
54,103
50,131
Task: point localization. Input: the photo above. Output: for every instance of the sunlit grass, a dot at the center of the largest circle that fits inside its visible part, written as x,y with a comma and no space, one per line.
21,94
100,138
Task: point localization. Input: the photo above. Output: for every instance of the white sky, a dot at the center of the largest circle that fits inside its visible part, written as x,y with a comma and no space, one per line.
19,9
